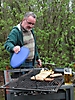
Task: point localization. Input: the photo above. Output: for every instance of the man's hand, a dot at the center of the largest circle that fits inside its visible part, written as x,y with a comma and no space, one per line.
16,49
39,63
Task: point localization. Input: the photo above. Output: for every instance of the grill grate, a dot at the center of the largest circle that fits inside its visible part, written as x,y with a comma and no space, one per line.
24,82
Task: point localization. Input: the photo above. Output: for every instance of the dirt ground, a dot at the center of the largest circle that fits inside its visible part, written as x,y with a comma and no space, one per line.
1,83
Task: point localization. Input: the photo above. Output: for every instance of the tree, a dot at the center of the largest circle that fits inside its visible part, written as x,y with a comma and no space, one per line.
54,29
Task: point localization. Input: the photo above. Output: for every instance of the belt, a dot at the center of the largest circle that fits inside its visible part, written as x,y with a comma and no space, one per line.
29,60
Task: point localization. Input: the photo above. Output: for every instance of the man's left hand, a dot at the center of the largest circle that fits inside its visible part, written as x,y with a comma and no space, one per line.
39,63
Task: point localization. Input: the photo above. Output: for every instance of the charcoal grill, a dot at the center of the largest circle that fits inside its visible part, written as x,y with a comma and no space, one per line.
23,87
25,83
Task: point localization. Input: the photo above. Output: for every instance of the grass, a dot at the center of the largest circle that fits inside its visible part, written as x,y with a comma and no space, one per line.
2,97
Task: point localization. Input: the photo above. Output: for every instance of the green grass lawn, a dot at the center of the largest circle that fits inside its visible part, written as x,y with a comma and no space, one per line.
2,97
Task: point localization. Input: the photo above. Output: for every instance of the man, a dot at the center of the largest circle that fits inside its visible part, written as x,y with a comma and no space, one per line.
23,35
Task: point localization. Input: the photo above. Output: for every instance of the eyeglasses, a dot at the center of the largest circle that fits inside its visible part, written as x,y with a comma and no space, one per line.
30,23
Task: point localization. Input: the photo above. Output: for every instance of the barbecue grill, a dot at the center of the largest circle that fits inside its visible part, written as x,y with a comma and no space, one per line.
23,87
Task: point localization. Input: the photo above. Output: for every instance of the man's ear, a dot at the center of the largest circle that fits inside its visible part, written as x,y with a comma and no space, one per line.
23,19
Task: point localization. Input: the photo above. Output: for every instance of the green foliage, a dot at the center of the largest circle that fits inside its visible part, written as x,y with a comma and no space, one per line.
58,35
55,29
4,57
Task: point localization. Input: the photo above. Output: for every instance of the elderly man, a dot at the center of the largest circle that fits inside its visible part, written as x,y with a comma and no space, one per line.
23,35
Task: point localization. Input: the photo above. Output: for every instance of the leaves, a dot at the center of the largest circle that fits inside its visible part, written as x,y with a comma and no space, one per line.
55,28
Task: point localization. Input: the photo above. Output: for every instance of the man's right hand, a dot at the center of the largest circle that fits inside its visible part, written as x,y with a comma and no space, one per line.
16,49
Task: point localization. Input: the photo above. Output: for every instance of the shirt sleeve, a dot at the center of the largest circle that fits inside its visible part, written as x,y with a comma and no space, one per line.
11,41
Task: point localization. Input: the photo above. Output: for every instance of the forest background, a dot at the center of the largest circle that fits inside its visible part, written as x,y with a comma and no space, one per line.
54,29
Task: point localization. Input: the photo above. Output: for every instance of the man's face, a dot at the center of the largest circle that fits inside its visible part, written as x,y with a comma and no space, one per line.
28,23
